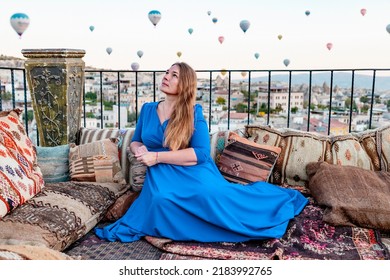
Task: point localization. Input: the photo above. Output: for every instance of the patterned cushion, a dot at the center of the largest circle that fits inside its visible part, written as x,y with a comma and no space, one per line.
298,149
124,136
120,206
244,161
348,150
20,176
352,196
95,162
54,163
137,172
60,214
383,146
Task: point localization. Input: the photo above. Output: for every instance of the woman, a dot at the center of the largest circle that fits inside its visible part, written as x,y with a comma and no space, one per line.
184,196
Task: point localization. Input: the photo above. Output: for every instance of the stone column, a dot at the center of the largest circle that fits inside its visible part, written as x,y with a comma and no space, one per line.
56,82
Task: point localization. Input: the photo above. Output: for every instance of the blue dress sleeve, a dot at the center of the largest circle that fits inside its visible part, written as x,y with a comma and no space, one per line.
200,140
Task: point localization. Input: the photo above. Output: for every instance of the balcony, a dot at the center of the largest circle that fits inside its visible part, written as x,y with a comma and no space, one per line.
309,100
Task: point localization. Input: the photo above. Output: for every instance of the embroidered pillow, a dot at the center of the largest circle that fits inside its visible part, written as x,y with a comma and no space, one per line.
243,161
54,163
95,162
20,176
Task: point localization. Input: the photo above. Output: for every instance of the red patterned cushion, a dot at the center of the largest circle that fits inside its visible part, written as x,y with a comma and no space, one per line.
20,176
244,161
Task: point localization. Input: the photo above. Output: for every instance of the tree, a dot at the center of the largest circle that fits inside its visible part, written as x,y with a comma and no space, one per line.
220,101
91,96
241,108
294,110
364,99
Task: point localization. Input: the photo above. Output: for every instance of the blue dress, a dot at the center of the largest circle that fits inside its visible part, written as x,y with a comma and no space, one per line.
196,203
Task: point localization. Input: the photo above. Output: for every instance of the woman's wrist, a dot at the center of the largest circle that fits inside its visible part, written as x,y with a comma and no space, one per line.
157,161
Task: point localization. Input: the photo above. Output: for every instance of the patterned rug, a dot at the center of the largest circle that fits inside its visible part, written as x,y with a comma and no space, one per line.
91,247
307,237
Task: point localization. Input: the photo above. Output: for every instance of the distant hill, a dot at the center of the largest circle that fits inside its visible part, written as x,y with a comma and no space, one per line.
341,79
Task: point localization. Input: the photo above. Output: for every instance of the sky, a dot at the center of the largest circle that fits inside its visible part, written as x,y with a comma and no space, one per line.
123,25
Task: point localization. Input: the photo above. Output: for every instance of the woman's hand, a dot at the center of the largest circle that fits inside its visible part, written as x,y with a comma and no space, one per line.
140,150
147,158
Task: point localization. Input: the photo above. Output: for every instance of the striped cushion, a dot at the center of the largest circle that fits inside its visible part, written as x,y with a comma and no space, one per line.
54,163
124,136
95,162
243,161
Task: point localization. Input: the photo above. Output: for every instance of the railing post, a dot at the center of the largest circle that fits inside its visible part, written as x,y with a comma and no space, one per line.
56,82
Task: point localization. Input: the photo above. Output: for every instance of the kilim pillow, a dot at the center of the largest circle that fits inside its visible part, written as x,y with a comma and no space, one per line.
243,161
95,162
352,196
54,163
137,172
20,176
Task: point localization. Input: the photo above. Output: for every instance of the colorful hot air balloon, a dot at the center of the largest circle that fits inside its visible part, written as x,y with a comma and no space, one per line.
154,16
223,72
209,12
280,37
363,12
307,12
19,23
214,20
178,54
221,39
190,30
92,28
286,62
109,50
257,55
135,66
140,53
329,46
244,25
388,28
243,74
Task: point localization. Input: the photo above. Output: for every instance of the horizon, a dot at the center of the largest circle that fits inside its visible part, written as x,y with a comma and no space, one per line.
359,41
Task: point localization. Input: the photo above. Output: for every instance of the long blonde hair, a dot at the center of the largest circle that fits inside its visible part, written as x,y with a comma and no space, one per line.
181,123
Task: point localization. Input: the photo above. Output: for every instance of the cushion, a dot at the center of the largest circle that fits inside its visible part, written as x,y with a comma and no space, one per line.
28,252
383,146
124,136
54,163
137,172
20,176
60,214
298,148
244,161
95,162
352,196
120,206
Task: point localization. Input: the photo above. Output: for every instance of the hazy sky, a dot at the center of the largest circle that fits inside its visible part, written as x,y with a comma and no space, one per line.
358,41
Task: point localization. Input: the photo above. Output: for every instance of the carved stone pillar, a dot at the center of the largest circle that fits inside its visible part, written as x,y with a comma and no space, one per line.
56,83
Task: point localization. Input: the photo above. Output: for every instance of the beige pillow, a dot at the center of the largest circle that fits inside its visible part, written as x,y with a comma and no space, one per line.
95,162
352,196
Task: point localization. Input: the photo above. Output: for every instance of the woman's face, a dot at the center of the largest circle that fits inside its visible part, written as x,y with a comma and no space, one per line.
170,82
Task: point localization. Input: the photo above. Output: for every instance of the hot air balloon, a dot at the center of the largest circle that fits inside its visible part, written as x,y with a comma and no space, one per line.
140,53
109,50
214,20
154,16
223,72
135,66
286,62
209,12
243,74
257,55
92,28
388,28
178,54
280,37
363,12
190,30
307,12
221,39
244,25
19,23
329,46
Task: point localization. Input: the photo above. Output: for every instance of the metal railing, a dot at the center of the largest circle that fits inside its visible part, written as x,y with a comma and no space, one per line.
248,79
